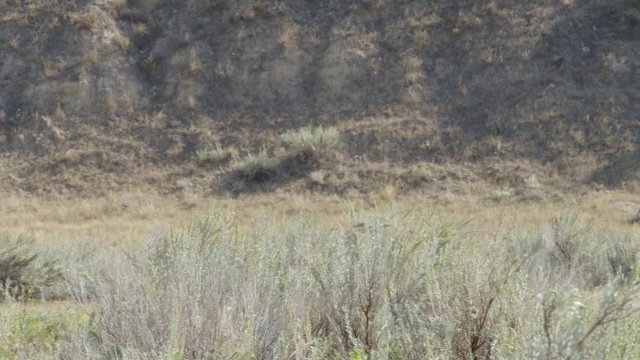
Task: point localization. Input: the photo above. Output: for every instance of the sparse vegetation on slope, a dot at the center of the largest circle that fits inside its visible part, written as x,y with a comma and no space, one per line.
549,88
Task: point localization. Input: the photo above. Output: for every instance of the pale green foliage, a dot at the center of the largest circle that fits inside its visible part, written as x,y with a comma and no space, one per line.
255,168
316,138
261,160
577,324
388,286
217,154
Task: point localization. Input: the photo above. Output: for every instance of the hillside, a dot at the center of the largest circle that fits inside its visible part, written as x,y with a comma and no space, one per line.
524,98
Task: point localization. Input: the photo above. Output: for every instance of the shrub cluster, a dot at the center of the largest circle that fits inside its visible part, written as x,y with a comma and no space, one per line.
391,286
306,149
212,155
24,272
317,139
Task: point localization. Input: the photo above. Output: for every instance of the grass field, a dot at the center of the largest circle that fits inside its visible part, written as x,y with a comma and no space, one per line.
133,216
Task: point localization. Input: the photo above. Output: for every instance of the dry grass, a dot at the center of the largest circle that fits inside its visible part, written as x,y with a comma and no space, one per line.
89,59
186,64
123,42
287,36
461,111
122,217
14,42
89,20
114,218
53,70
140,28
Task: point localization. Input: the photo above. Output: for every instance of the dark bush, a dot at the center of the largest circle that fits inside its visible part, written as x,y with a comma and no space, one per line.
24,273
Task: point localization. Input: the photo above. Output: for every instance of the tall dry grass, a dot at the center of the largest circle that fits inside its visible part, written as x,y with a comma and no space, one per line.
128,217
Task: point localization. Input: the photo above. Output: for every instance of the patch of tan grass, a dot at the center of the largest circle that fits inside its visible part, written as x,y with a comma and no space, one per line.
89,59
89,20
53,70
140,28
122,41
125,217
113,218
14,42
187,64
287,35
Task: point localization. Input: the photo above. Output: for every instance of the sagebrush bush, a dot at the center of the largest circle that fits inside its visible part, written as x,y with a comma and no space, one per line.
387,286
217,155
24,272
255,173
315,138
256,166
82,263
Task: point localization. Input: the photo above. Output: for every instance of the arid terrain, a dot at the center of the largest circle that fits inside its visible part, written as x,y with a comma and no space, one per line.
497,141
493,102
111,96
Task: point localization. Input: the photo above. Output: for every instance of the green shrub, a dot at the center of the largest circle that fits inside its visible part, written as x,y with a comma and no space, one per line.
217,155
35,333
24,272
256,169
